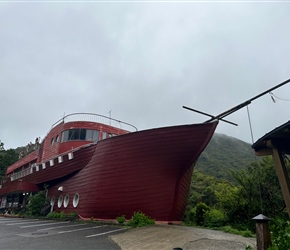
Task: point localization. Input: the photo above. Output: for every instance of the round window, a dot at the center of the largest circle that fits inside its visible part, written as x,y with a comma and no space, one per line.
59,202
52,141
66,200
76,200
52,201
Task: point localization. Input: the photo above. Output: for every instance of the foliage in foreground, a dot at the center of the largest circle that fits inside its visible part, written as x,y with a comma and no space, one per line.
140,220
36,203
280,234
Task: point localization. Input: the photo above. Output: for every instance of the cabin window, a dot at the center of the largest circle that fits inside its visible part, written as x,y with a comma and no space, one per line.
66,200
76,200
96,135
74,134
89,135
59,202
80,134
64,136
83,134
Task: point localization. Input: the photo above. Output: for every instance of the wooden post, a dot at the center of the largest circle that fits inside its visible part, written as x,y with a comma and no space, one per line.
262,232
282,174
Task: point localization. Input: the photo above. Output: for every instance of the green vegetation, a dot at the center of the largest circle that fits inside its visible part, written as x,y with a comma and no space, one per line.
140,220
121,219
224,153
230,205
56,215
7,157
62,215
280,234
36,203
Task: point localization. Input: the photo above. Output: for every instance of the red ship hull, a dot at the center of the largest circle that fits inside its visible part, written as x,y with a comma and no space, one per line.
148,171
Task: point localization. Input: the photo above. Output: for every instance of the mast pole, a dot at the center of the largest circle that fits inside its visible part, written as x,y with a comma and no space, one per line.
236,108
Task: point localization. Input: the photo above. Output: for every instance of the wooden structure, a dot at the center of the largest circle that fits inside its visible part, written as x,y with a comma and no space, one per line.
277,144
262,232
96,169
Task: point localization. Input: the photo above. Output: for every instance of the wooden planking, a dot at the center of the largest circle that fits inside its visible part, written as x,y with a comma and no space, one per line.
58,170
139,171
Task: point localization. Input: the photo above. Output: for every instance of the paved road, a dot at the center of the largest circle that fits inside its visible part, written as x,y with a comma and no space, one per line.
17,233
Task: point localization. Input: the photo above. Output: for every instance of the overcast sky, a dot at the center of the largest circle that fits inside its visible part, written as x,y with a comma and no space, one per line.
143,62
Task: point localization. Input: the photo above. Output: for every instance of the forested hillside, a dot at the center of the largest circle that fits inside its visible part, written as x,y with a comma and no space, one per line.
225,153
230,186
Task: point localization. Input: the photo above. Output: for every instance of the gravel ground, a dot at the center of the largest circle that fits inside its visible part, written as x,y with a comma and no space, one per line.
168,237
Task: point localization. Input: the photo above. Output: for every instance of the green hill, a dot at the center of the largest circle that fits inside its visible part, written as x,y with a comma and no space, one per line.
225,153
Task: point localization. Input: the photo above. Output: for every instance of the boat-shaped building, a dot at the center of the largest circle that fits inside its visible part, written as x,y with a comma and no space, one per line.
103,168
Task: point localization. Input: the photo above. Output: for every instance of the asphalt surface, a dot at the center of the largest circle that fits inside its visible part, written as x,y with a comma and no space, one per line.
17,233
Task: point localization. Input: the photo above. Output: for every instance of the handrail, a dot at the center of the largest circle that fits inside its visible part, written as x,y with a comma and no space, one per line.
91,117
29,170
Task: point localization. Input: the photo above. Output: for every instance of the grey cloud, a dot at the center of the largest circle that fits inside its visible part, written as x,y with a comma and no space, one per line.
143,61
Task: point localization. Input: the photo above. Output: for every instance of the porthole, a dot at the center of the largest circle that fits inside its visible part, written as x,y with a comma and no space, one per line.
59,202
57,138
52,141
52,200
66,200
76,200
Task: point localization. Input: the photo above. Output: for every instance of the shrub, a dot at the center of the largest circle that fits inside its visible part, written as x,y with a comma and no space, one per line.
280,234
121,219
62,215
53,215
72,216
139,220
247,233
214,218
36,203
229,229
189,217
200,212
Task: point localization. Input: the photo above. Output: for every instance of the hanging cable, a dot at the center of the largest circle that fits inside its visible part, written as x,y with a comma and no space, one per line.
276,97
250,124
258,165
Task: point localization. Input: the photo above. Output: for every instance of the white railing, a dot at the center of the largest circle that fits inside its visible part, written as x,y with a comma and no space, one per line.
22,173
90,117
37,167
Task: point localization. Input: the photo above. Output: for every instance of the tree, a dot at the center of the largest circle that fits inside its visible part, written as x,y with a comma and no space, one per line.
260,189
37,202
7,157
